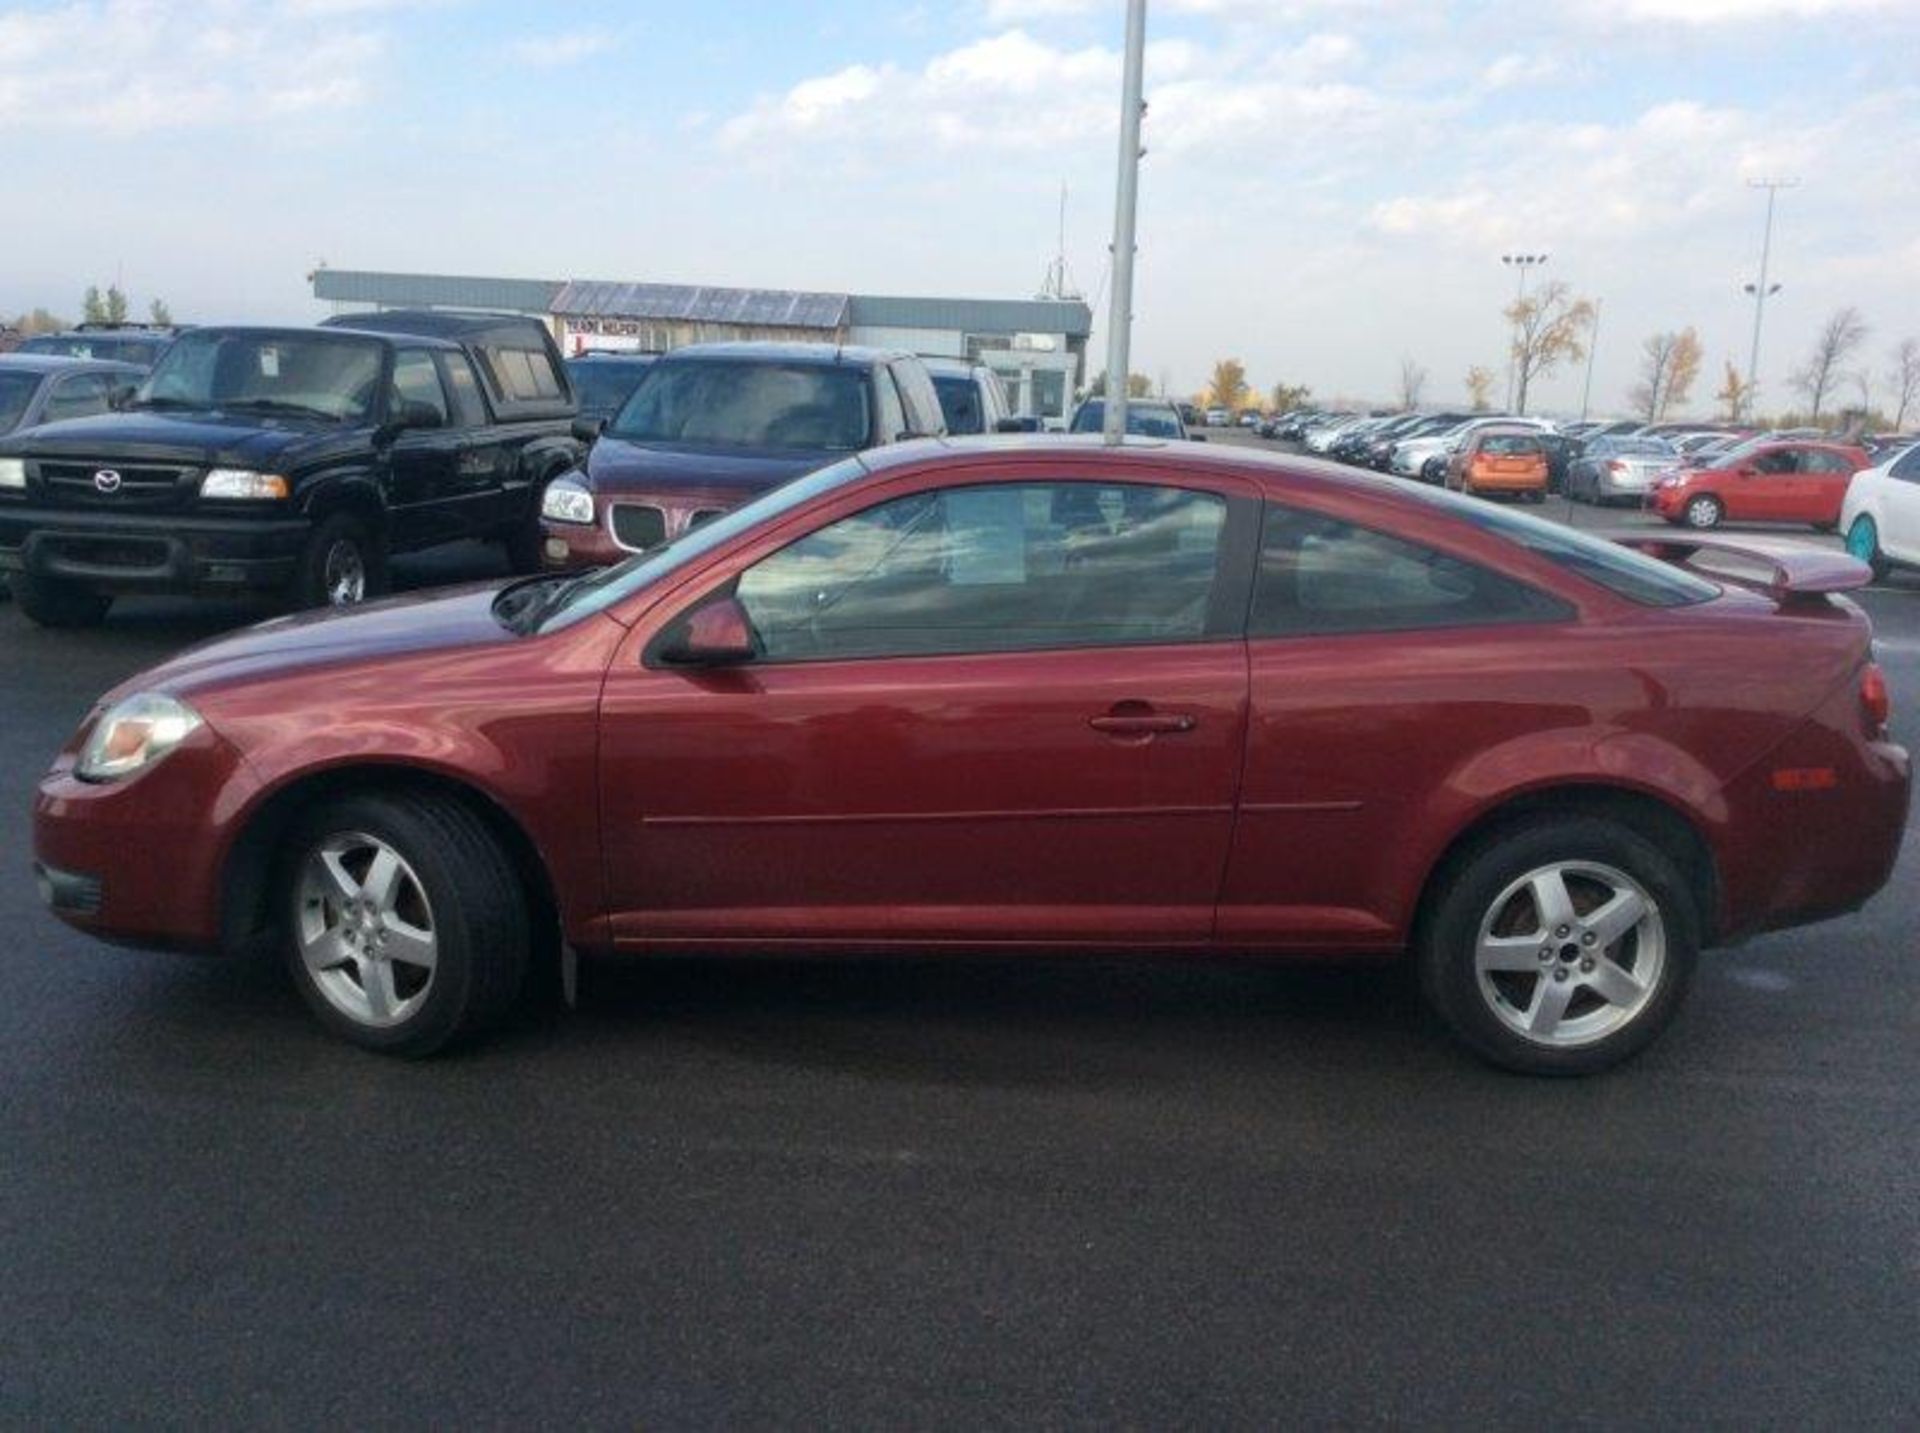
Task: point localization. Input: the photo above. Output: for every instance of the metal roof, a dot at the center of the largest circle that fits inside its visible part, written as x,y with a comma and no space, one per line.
1065,316
360,286
772,308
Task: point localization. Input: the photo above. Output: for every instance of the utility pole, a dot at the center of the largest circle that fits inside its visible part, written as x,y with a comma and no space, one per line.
1760,291
1593,342
1520,263
1125,202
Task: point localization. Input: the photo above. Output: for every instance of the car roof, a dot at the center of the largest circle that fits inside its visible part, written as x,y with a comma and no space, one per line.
610,355
321,331
851,355
61,363
953,367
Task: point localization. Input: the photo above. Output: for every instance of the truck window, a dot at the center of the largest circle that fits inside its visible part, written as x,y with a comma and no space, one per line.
417,381
522,374
469,408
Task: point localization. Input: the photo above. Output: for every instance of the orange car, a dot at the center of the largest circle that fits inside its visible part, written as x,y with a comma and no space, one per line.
1500,460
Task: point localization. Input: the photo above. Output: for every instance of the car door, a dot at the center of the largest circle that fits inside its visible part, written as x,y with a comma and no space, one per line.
423,458
1379,666
1821,486
1900,507
487,473
1004,709
1763,488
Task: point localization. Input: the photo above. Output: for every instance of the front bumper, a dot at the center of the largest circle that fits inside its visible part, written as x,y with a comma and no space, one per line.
139,862
126,552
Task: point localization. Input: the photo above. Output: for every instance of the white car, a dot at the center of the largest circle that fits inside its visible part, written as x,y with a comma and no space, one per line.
1881,513
1410,458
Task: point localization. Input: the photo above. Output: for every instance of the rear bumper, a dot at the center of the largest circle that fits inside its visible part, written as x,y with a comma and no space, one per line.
124,552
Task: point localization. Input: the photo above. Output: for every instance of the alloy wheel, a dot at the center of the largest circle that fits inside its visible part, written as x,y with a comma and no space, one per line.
1703,512
1570,952
364,929
345,573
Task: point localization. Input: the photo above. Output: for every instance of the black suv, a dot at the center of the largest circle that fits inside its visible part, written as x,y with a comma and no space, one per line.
291,460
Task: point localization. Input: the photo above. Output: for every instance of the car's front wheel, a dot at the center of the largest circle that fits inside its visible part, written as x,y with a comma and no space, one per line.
55,602
342,565
1863,542
406,925
1704,512
1561,947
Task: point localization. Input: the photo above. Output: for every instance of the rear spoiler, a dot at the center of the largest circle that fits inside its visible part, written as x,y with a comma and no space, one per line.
1794,569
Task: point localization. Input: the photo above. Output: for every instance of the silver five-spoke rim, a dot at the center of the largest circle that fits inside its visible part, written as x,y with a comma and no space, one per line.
1570,953
346,574
365,929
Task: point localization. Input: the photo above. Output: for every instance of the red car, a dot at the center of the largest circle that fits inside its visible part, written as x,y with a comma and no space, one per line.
1048,696
1767,480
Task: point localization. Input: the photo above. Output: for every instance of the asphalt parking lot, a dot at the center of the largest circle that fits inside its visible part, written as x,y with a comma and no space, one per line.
980,1192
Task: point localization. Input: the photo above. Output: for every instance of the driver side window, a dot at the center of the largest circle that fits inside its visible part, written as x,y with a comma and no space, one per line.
417,381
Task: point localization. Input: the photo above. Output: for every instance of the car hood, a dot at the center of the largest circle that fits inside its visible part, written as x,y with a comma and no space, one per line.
209,439
441,621
616,466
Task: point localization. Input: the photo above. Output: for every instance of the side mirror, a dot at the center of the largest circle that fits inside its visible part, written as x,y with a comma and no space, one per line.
717,634
587,430
419,415
121,396
1197,437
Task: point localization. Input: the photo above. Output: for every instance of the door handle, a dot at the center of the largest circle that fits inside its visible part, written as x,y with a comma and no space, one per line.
1142,724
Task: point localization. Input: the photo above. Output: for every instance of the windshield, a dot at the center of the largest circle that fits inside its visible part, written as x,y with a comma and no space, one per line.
142,351
741,403
16,392
603,386
317,375
960,403
1144,420
600,590
1633,447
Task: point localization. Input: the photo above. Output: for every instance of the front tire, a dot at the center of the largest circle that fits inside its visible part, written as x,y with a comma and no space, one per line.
342,565
1704,512
1561,947
405,926
56,602
1863,542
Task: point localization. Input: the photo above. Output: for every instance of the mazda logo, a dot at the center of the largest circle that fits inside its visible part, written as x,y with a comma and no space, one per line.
107,480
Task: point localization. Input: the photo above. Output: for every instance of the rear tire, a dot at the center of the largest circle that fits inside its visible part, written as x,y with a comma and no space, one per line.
404,925
1560,947
1704,512
342,565
56,602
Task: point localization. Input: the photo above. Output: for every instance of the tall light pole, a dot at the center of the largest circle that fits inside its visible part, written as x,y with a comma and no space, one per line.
1125,200
1761,293
1519,263
1593,342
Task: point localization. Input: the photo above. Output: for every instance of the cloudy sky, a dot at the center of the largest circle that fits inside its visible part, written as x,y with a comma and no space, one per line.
1329,187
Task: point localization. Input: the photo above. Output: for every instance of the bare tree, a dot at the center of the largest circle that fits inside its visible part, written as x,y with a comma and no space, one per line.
1840,337
1288,396
1733,392
1549,328
1480,388
1669,365
1684,371
1413,382
1904,379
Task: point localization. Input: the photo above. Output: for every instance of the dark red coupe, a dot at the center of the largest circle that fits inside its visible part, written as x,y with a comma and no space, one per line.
1034,695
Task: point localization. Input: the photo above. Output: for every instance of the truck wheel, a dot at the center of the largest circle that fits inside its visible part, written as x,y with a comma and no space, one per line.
56,602
1561,947
343,565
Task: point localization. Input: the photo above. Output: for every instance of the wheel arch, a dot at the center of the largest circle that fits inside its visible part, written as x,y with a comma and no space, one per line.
247,870
355,493
1653,817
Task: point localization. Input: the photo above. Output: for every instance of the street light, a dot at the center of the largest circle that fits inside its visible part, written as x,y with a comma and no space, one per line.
1519,263
1125,202
1762,291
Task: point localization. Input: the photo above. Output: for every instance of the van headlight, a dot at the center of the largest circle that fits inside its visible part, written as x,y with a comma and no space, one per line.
567,502
133,734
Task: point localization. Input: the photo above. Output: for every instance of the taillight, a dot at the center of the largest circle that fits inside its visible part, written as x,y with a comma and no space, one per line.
1876,702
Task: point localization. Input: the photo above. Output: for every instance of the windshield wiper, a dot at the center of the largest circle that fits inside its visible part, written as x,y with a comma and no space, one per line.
277,405
164,403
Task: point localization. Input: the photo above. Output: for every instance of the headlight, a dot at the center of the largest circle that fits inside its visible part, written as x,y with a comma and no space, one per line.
567,502
240,483
133,734
13,473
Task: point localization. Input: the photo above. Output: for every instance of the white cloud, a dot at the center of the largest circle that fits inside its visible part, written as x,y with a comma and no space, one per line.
567,47
1516,68
1702,13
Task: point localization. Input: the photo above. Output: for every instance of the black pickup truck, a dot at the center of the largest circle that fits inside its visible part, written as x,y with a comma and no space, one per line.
291,460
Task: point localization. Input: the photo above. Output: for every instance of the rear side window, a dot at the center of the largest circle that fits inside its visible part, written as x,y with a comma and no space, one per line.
960,403
469,408
1319,575
523,375
1907,466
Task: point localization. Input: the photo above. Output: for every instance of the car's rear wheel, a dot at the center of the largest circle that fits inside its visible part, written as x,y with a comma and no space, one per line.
56,602
406,927
1704,512
342,565
1561,947
1863,542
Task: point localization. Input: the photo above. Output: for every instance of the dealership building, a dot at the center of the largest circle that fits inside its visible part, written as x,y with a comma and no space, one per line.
1038,347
